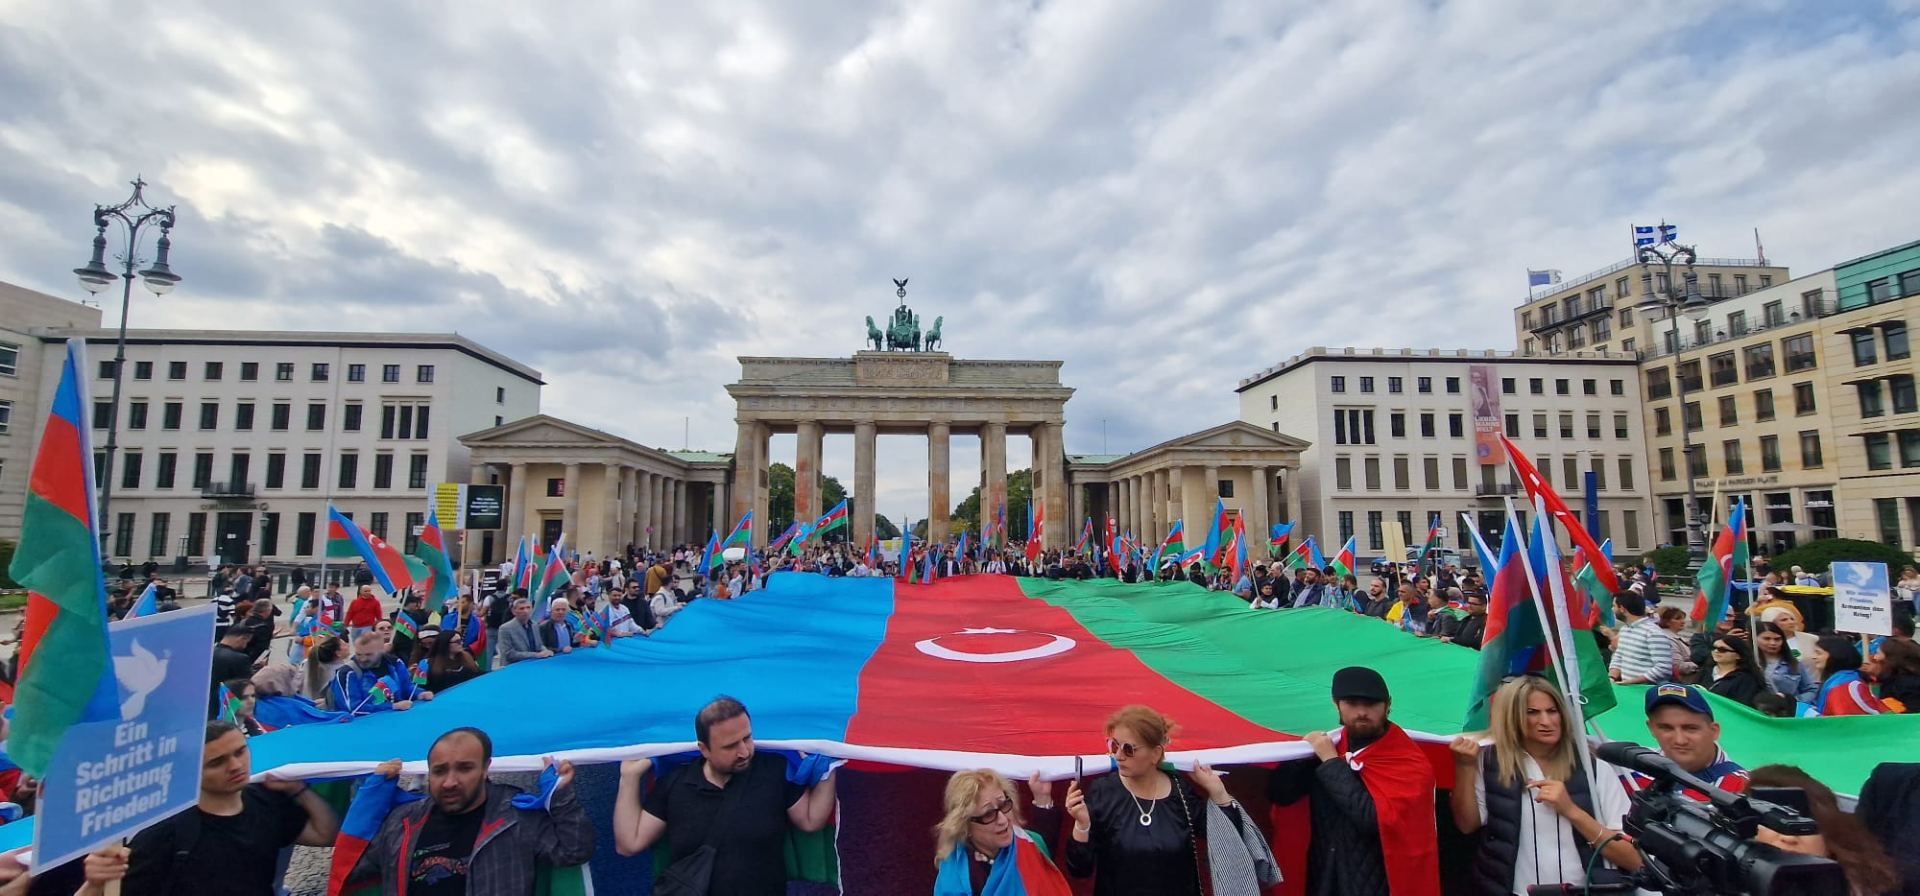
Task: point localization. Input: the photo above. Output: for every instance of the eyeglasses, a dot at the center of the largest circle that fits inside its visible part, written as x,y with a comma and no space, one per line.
1122,748
1721,648
1004,807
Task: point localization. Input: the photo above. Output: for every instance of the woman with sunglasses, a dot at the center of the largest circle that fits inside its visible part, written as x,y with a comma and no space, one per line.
1730,672
983,848
1134,832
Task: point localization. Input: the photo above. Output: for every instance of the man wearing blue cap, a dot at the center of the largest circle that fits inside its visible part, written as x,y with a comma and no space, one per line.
1681,720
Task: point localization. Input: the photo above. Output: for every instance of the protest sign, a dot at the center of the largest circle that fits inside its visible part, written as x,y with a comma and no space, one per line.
1862,601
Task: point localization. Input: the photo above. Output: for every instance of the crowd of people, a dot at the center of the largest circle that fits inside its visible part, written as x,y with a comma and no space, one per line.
1538,805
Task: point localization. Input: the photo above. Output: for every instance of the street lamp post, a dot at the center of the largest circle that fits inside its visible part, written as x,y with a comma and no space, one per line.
1690,303
134,215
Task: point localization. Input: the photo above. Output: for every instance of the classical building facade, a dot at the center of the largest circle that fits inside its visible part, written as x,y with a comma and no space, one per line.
1254,471
233,443
1398,437
602,491
23,313
930,393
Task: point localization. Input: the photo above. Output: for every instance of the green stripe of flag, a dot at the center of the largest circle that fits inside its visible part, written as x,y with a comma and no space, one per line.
56,558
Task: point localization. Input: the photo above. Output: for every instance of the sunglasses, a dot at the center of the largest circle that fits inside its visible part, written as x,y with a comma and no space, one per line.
1123,749
1721,648
1004,807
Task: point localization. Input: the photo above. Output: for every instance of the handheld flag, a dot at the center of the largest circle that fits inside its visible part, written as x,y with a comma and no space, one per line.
798,543
1713,584
1539,492
793,530
523,567
1513,628
1345,560
711,554
1489,561
1587,583
552,577
1175,543
345,539
1582,670
147,604
431,549
1216,530
1301,557
906,550
1319,559
403,624
1277,537
1036,527
229,706
831,520
742,530
1433,541
64,675
1086,536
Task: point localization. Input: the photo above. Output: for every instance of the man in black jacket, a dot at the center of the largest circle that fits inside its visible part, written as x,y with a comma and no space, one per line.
1473,628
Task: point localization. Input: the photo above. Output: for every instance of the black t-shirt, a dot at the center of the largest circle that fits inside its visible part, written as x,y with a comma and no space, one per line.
438,864
749,859
232,855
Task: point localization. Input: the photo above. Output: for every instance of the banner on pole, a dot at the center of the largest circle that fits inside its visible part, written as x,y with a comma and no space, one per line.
1862,601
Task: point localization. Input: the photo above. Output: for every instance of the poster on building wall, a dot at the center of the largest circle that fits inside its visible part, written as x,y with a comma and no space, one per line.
1485,394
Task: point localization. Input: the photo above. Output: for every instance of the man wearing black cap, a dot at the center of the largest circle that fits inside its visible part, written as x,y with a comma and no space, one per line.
1372,793
1681,720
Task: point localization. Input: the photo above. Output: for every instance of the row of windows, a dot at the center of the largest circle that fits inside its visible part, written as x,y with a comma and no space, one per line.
1888,288
283,371
132,471
1401,468
1538,386
1376,521
1880,448
1723,368
1886,519
398,419
193,543
1804,404
9,359
1355,426
1733,457
1875,395
1868,344
1395,385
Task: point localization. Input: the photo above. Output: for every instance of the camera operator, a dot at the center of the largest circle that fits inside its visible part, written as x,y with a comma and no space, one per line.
1842,838
1681,720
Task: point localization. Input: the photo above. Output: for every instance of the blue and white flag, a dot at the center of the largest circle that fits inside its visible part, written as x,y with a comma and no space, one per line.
1654,236
1542,278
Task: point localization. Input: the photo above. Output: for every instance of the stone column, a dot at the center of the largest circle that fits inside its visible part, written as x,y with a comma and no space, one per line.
747,462
1076,503
1129,504
1140,522
993,455
1212,487
629,506
1055,464
1113,509
643,505
806,471
718,509
939,470
570,509
650,514
1259,521
516,515
757,530
679,524
865,442
611,543
1294,513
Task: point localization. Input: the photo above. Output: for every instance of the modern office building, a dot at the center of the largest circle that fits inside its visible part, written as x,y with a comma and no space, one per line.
233,443
1870,394
1399,436
22,312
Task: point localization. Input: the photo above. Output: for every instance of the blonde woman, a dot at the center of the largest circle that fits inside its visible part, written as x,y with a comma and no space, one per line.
1542,819
983,849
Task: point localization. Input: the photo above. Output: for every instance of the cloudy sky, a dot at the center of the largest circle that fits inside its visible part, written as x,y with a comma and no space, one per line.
1168,196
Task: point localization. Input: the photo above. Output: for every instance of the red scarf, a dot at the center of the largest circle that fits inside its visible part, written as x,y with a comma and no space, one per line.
1401,781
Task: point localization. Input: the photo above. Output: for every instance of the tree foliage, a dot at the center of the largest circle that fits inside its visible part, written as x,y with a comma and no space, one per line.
1019,494
780,478
1670,562
1817,556
884,528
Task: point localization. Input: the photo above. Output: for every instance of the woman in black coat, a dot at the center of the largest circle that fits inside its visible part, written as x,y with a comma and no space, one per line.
1731,672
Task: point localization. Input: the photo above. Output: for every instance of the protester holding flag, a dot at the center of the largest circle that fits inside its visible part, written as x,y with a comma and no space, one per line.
469,835
982,847
374,681
1530,796
1134,832
1371,793
229,843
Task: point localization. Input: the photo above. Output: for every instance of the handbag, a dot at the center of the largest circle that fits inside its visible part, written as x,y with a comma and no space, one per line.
692,875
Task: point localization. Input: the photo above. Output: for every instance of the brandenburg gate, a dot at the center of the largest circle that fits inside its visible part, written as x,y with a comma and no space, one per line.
900,386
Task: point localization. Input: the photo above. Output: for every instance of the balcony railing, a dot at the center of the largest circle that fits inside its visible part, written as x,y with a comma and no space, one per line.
1822,308
1497,490
1617,267
228,491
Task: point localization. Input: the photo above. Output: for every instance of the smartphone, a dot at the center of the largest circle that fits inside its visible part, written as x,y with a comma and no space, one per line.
1078,770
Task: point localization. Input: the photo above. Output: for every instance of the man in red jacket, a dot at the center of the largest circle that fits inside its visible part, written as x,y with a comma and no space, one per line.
363,613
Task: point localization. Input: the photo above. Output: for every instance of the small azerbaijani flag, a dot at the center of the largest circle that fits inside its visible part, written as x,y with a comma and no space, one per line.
1175,543
523,567
709,555
229,706
65,677
1345,560
1301,557
404,624
742,530
345,539
831,520
793,529
1277,536
329,623
147,604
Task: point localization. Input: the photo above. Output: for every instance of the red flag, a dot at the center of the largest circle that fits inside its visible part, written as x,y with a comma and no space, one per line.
1538,490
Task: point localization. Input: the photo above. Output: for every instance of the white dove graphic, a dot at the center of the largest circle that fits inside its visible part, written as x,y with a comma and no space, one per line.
140,674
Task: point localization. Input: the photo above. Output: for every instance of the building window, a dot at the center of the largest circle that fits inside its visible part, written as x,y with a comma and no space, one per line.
316,416
102,414
136,416
1346,525
1343,473
213,370
303,526
1457,426
1900,390
237,468
283,372
423,373
1730,451
1539,426
130,470
383,471
1571,466
123,535
1353,426
1370,468
1798,351
1426,425
1659,383
163,470
1910,282
170,414
249,371
157,535
1689,374
321,372
1225,486
377,525
411,536
269,534
1870,403
1769,454
1506,385
1690,415
1737,324
282,416
1376,534
1721,369
1562,387
1273,402
1763,406
1697,461
209,415
10,360
350,417
176,370
1366,385
142,370
1430,466
1536,386
356,373
1453,385
1397,425
310,470
1909,448
1879,451
196,534
1513,426
202,470
1626,474
389,373
1460,474
1424,385
1666,465
1886,513
1402,475
243,416
276,470
1662,422
1803,403
556,488
1759,360
1865,348
1395,385
1729,411
1593,426
349,470
1895,335
1566,426
1810,457
1879,291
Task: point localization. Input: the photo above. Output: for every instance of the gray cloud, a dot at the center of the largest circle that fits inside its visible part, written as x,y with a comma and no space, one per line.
1168,197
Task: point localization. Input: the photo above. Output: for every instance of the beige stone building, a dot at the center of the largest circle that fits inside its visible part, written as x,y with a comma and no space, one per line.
1871,394
1253,471
24,312
1594,312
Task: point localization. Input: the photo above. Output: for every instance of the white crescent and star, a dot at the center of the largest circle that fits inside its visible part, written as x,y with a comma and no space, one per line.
931,647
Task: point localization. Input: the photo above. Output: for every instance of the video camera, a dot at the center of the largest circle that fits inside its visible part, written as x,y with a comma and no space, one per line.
1694,847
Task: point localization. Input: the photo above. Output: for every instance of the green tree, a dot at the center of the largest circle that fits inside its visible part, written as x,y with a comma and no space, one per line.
1818,556
1019,494
884,528
780,478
